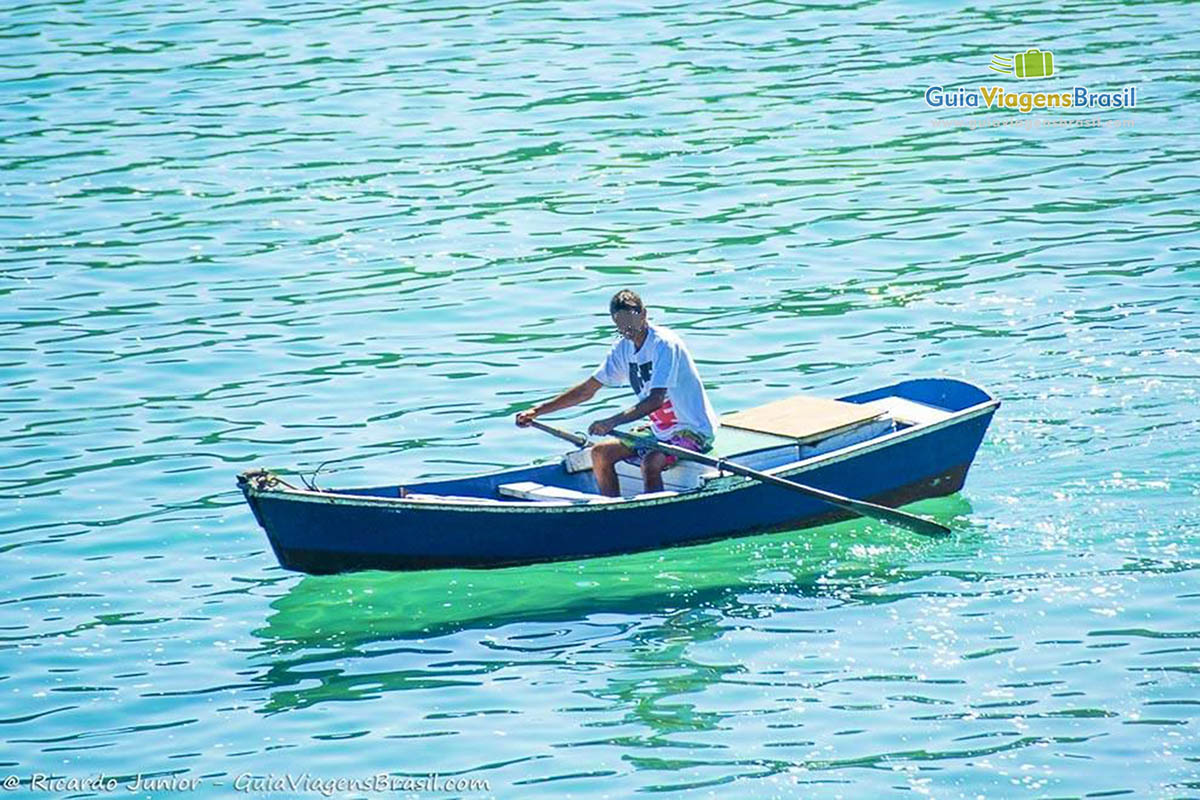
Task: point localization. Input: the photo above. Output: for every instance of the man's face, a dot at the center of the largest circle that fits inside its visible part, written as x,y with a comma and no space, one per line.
630,323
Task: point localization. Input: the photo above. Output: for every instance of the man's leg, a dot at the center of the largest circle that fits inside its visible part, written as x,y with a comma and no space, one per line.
653,464
605,455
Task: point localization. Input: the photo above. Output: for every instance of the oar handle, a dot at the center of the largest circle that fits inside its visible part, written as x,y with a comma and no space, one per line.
574,438
580,440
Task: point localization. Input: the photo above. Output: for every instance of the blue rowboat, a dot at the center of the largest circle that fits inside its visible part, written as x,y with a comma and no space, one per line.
893,445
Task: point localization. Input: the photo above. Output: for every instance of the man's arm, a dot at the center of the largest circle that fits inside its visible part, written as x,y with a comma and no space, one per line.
653,401
571,397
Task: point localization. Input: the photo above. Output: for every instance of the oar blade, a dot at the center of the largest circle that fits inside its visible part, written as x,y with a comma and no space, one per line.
913,523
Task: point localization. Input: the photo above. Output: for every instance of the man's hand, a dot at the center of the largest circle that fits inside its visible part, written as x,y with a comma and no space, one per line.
601,426
571,397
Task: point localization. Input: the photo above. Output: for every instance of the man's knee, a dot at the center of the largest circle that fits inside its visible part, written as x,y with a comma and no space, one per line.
653,464
606,453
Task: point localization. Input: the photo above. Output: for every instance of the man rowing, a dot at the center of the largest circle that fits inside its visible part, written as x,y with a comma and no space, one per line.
661,373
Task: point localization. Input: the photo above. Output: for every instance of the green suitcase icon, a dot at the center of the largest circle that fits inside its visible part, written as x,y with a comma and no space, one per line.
1034,63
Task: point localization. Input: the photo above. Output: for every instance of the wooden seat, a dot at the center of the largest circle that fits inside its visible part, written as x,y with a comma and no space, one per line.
452,499
679,477
908,411
531,490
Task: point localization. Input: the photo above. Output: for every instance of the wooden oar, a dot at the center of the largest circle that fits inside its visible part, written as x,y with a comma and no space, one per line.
900,519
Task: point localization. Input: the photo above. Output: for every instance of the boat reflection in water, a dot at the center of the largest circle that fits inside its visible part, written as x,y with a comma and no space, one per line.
359,636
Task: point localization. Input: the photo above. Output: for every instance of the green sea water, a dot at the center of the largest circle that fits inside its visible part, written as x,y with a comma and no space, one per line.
365,234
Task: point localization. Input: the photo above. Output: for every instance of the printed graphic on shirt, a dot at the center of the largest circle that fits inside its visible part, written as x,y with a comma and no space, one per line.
639,375
664,417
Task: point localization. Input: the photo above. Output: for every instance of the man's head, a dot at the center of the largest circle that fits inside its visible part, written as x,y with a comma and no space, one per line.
628,313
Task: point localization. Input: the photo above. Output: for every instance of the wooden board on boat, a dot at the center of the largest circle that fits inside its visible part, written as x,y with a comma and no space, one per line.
802,418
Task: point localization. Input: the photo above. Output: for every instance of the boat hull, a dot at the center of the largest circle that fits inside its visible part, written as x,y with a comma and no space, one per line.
330,532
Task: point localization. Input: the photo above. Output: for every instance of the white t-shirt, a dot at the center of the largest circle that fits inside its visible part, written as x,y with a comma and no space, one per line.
663,362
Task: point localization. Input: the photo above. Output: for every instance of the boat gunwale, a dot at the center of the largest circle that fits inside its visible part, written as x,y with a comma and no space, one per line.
718,485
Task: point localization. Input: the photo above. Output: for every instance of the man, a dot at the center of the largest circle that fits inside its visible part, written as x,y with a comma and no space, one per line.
663,376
